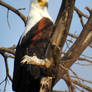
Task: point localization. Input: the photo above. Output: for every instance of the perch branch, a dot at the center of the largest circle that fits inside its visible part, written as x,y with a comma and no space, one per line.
62,26
63,22
78,47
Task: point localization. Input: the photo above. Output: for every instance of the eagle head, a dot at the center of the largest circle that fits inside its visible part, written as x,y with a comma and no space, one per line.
41,3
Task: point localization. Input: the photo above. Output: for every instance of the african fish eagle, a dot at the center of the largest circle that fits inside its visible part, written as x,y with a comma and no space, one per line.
33,42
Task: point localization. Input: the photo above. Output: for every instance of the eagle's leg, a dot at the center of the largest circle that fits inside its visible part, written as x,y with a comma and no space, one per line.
34,60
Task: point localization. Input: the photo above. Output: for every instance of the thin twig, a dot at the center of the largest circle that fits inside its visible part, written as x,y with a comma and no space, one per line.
83,64
75,36
80,12
89,81
82,85
3,49
7,67
89,10
8,19
12,47
78,88
3,81
21,8
5,84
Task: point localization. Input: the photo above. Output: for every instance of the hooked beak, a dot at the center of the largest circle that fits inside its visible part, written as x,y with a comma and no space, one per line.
43,3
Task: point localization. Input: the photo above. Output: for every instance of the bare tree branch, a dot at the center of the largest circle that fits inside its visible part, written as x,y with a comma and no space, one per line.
3,49
7,68
69,83
8,19
80,13
90,11
58,91
77,48
80,44
63,22
82,85
84,59
75,36
3,81
14,10
84,80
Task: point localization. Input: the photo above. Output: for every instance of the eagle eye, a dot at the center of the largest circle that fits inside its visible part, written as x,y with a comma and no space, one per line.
39,0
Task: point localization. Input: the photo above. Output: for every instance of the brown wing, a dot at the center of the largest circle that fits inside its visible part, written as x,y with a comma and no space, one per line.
41,38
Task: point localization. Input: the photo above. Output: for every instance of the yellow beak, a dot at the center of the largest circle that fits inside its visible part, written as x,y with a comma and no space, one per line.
43,3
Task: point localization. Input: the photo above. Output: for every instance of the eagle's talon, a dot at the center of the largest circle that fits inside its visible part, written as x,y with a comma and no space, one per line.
25,59
23,62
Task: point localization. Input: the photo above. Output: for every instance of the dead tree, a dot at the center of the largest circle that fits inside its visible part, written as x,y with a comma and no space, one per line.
59,62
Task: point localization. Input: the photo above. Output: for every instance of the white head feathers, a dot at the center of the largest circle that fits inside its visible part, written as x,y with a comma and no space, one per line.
36,13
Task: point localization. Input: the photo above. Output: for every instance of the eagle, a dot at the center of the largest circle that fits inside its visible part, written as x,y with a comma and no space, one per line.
33,42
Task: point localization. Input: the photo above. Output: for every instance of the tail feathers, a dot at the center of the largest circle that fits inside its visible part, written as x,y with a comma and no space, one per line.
33,87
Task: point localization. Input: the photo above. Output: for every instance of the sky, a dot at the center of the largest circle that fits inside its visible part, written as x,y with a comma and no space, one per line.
10,36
